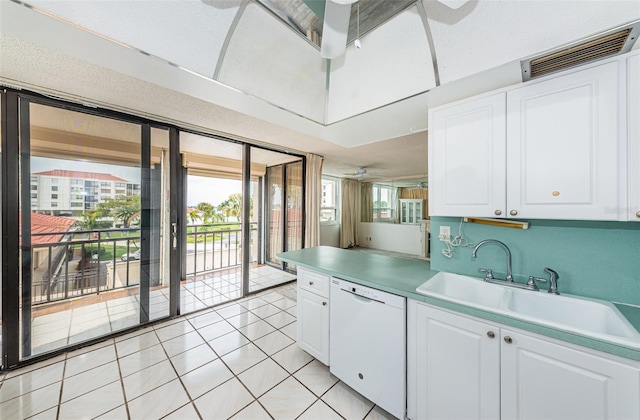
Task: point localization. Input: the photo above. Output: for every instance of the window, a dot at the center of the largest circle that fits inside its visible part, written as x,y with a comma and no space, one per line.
54,204
384,203
54,196
34,188
105,184
76,205
54,188
329,204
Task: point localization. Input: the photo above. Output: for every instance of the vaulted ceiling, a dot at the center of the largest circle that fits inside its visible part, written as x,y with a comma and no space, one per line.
240,68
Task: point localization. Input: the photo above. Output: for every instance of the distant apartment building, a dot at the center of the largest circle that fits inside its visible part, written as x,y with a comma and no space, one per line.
70,193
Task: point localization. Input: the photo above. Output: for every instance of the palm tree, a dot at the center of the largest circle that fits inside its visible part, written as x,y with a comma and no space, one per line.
123,208
207,211
90,219
194,216
225,209
235,205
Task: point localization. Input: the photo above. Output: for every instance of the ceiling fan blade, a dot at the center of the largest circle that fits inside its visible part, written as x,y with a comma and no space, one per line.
335,29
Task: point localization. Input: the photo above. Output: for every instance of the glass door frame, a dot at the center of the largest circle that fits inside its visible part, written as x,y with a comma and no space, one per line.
284,216
16,155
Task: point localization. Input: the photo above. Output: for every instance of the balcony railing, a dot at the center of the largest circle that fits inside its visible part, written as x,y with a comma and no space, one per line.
88,262
216,246
83,262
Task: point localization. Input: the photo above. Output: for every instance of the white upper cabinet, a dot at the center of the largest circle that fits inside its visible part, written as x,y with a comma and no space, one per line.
550,149
633,121
562,147
467,164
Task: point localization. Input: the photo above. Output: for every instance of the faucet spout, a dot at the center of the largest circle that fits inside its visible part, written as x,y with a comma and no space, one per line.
506,250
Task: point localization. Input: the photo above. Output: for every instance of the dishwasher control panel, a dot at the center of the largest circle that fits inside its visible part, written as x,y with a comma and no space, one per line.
368,292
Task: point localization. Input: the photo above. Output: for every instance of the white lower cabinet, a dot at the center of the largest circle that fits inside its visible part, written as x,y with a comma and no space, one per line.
460,367
313,314
545,380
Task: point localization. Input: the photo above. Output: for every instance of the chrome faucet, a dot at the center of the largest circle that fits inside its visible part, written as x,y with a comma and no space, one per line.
506,249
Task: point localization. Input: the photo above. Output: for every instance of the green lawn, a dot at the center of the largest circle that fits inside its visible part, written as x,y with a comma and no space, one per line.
107,254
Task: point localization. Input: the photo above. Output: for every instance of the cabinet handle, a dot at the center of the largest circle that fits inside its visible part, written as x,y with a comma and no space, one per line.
638,214
498,212
508,339
324,303
513,212
310,283
491,334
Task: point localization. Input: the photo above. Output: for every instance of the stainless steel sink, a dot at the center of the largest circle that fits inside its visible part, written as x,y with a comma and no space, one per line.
588,317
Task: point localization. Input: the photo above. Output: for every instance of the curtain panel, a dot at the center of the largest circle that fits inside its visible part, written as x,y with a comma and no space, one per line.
350,214
313,200
366,210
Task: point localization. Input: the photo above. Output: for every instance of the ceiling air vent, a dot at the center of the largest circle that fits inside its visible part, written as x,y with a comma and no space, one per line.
611,43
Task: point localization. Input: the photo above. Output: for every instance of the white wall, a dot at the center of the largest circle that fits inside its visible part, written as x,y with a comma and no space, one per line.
391,237
330,235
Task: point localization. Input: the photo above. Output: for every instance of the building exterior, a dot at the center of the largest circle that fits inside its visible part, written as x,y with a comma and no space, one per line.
61,192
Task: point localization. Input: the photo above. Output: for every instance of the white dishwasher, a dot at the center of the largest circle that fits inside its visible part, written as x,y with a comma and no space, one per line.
368,343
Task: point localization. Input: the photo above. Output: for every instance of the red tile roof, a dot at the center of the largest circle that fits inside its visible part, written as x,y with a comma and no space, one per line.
42,223
62,173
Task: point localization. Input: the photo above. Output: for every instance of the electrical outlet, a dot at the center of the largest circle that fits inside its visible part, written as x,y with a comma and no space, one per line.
445,233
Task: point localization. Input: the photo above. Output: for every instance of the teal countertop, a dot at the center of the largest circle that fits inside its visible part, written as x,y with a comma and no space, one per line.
402,276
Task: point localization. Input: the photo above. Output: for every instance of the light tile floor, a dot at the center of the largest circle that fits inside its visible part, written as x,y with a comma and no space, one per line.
238,360
80,321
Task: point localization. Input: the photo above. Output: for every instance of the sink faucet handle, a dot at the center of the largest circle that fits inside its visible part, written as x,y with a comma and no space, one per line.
532,282
553,279
488,271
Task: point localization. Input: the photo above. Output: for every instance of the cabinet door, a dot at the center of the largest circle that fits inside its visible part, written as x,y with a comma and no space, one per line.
458,366
543,380
562,151
467,158
313,325
633,103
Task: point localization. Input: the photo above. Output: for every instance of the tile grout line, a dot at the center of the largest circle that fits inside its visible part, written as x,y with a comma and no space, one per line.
124,394
64,371
191,400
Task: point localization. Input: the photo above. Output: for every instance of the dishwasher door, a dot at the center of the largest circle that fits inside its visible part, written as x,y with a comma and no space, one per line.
368,343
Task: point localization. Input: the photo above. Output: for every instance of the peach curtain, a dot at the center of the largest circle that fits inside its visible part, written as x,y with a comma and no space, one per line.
313,200
350,214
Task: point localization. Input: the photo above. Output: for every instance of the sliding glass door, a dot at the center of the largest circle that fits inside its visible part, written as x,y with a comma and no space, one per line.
93,216
110,222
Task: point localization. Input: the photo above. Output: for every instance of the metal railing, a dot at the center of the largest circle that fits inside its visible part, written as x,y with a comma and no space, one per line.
83,262
215,246
88,262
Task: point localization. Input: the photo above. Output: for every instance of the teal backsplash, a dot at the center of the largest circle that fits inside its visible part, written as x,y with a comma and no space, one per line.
594,259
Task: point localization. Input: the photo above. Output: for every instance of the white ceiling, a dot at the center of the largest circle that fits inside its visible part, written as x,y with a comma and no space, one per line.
271,84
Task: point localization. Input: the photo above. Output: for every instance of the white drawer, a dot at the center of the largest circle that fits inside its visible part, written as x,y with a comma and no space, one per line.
314,282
